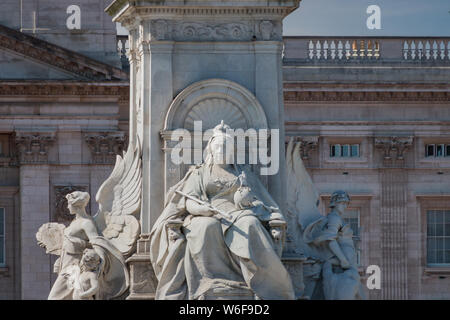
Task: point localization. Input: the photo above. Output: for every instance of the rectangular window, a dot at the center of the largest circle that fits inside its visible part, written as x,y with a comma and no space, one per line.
352,218
2,236
429,152
440,149
333,151
438,237
355,150
447,153
344,151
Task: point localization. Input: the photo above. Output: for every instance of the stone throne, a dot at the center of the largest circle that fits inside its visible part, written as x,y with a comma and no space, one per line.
183,56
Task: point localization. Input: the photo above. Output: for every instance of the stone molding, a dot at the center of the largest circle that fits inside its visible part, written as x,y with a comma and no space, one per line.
64,89
371,96
206,10
105,146
50,54
394,148
32,147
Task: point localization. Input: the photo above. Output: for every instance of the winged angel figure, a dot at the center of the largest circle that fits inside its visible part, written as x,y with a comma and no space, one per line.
330,271
92,250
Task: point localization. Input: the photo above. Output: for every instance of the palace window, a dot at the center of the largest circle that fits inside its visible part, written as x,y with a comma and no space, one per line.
2,237
437,150
344,151
438,237
352,217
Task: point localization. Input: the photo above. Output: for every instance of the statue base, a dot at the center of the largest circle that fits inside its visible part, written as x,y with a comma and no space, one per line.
143,281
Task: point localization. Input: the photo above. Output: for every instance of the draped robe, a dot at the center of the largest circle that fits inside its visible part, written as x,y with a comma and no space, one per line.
227,255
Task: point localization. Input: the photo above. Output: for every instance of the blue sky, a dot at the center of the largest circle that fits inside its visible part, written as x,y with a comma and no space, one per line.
348,18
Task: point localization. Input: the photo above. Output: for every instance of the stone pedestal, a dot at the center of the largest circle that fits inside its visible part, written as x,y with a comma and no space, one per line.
225,57
142,278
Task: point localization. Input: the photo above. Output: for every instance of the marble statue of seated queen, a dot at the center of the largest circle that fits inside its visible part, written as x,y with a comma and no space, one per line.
217,237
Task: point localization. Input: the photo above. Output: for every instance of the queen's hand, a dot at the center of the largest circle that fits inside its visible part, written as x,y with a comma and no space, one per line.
197,209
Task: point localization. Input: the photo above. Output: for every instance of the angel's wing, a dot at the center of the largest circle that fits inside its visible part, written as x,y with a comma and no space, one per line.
119,200
50,236
302,198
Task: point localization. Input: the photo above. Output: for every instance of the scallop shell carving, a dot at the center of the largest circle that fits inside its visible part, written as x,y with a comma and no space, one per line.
212,111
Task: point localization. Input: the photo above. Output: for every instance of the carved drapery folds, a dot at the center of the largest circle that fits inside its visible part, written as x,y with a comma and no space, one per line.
105,146
33,147
393,148
61,213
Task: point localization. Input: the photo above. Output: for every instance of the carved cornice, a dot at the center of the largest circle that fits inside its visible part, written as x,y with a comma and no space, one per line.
369,96
33,146
105,146
211,8
58,57
393,148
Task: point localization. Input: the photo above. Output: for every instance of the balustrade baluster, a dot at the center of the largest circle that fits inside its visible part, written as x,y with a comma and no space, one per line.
340,50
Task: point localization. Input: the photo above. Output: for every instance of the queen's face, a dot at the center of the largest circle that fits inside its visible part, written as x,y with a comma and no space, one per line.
218,147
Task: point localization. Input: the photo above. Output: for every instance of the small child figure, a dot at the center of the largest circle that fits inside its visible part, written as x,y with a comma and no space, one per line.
88,285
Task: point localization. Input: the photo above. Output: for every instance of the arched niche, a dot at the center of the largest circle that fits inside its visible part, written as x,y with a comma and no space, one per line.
209,101
214,100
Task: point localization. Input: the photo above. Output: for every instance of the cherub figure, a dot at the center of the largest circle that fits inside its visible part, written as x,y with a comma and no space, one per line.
88,285
244,198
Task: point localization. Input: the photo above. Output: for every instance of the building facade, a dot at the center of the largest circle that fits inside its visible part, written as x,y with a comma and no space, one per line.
373,115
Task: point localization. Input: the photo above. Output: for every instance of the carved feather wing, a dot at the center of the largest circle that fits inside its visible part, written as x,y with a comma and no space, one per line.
303,196
119,200
302,199
50,236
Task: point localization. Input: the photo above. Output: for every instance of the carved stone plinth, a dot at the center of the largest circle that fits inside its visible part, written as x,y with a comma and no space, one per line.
143,282
294,265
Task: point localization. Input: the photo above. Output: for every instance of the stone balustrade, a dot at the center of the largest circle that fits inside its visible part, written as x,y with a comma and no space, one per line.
357,49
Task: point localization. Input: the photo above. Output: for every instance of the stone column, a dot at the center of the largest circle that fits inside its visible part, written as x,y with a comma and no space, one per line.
35,211
393,216
268,62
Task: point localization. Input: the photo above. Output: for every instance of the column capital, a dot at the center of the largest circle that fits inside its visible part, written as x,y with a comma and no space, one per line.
33,147
105,146
394,147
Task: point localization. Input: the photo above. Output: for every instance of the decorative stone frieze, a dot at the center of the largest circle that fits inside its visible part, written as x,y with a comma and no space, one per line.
33,147
105,146
174,30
